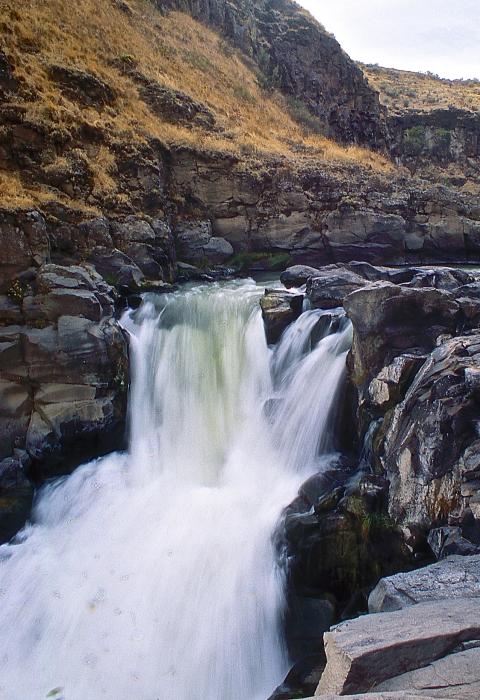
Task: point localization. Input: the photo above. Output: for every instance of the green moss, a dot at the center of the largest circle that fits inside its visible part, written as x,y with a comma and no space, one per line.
111,279
442,141
375,523
414,140
244,262
299,111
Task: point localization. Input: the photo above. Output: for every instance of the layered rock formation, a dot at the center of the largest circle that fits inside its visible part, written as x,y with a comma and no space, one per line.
320,219
64,364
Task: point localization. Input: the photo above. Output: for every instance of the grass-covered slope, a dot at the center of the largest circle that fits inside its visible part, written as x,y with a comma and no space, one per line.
84,83
402,89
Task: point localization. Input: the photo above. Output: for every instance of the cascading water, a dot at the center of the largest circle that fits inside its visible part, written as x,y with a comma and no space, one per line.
153,575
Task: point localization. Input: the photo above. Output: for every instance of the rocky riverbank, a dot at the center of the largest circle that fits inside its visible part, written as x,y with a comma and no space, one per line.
421,638
406,490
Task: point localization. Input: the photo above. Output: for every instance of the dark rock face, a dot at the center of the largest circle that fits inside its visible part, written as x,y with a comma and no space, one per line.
412,492
299,56
64,370
63,356
338,537
414,368
442,136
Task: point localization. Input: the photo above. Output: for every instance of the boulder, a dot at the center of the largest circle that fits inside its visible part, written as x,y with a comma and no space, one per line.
330,286
117,268
279,309
197,245
297,275
389,320
455,676
148,243
364,652
453,577
218,250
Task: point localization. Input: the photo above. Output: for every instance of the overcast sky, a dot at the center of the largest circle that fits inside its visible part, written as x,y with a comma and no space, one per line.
441,36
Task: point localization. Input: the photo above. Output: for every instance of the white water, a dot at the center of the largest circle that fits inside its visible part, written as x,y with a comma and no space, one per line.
152,575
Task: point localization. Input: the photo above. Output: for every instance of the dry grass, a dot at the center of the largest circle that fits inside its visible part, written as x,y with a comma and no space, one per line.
16,194
176,51
400,90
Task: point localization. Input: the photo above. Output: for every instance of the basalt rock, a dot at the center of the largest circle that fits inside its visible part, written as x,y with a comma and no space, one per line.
196,243
63,378
421,640
414,367
279,309
338,537
328,288
454,577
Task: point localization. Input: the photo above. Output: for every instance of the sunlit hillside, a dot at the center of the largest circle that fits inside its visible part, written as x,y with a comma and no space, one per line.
128,46
402,89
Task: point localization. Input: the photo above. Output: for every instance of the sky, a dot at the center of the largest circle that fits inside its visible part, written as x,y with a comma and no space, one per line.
441,36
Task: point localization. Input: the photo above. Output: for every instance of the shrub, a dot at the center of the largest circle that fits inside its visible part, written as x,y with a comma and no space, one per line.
414,140
16,291
243,94
300,112
442,141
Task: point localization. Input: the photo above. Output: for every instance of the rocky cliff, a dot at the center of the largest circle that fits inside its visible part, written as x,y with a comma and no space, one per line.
297,55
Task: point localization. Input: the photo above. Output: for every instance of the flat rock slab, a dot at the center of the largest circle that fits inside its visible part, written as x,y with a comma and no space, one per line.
378,696
455,676
364,652
453,577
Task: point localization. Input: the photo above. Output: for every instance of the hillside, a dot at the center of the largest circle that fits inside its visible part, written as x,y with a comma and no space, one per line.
401,89
91,85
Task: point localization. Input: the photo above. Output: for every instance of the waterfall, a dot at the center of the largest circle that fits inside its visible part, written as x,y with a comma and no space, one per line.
153,575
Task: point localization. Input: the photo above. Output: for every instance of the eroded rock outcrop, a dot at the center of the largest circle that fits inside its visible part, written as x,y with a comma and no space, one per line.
413,365
409,490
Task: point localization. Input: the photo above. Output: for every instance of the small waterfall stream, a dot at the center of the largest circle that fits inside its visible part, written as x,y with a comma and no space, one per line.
152,575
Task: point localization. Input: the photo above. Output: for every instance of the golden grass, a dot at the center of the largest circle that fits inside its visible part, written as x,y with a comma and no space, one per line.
400,89
176,51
